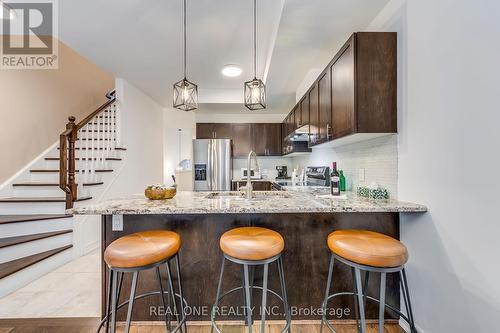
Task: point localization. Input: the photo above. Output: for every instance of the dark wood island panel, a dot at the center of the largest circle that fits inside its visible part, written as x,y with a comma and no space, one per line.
306,261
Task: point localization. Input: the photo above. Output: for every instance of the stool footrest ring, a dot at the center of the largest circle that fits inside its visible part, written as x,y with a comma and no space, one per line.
179,324
350,293
212,315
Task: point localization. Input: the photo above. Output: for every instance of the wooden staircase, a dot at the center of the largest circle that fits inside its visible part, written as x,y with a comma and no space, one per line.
36,235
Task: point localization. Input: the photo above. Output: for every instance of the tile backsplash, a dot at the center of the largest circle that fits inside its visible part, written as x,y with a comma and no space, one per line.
266,164
378,157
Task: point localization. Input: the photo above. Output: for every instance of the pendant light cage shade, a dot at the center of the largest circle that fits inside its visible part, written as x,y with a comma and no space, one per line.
255,94
185,95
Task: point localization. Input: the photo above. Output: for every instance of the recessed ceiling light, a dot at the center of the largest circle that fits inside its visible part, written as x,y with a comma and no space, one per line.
231,71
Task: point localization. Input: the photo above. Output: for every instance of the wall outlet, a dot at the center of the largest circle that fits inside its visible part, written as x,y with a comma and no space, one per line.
361,175
117,223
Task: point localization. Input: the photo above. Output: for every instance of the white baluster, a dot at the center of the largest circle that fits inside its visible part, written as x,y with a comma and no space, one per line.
92,153
108,135
118,124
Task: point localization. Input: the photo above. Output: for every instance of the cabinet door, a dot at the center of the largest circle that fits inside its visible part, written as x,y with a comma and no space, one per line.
259,139
325,107
313,116
342,73
242,139
204,131
273,138
298,116
304,110
261,186
222,131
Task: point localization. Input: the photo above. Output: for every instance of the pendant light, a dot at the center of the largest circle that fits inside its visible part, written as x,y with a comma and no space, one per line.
255,90
185,92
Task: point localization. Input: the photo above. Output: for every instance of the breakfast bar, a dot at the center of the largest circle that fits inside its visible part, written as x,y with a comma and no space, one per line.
304,218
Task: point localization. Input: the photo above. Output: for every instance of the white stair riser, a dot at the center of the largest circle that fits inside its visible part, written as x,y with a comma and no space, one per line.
37,191
20,279
53,177
27,208
35,227
80,165
27,249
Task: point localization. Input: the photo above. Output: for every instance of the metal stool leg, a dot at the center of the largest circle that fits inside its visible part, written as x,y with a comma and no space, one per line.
218,290
114,276
163,301
406,292
264,299
327,292
108,305
131,301
183,309
283,293
356,306
381,306
361,304
248,305
171,286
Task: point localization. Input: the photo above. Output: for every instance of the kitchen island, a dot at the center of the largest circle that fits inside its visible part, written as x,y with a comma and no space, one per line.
303,216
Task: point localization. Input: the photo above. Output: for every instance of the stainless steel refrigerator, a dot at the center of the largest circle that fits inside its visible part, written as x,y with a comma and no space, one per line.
213,165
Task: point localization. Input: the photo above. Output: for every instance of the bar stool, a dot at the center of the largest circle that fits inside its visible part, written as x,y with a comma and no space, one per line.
370,252
138,252
252,247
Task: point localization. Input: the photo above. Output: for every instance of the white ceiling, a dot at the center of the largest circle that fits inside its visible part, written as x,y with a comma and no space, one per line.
141,41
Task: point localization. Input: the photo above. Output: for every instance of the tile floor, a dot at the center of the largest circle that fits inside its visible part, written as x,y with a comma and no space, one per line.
73,290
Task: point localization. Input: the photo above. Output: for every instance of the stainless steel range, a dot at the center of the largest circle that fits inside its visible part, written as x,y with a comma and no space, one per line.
315,176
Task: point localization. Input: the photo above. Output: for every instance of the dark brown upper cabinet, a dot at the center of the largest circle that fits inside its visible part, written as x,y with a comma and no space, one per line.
304,110
213,131
313,115
298,116
266,139
342,73
324,107
356,93
242,139
204,131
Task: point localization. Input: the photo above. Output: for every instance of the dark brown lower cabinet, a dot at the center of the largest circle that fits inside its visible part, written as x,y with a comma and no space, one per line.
256,185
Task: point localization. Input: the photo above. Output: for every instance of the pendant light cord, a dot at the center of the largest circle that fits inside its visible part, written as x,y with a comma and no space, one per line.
185,58
255,39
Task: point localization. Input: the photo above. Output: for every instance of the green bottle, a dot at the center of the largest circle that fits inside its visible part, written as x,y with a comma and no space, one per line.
342,181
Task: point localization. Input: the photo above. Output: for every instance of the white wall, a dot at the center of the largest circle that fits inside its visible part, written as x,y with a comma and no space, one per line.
448,158
174,120
142,136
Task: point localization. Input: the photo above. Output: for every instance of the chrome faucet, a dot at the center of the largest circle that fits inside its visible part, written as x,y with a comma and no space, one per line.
249,189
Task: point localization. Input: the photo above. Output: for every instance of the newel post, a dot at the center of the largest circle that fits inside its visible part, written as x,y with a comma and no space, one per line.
71,160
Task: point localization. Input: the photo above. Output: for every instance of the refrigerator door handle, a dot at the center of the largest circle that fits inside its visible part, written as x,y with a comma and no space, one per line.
209,165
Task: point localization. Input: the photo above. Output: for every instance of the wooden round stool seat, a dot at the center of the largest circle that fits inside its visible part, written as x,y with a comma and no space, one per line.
368,248
142,249
252,243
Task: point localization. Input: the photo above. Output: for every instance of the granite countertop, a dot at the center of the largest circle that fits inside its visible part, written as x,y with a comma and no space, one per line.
294,200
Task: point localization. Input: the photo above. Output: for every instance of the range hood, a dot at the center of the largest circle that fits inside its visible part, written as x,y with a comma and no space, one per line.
297,142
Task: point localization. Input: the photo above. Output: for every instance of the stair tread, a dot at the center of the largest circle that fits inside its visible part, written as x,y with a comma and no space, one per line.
10,241
14,266
4,219
52,184
39,199
78,148
84,159
57,170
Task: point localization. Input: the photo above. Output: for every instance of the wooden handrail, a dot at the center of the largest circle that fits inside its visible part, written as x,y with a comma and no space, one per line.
67,162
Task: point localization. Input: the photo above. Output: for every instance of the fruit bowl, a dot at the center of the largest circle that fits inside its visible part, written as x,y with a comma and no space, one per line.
160,192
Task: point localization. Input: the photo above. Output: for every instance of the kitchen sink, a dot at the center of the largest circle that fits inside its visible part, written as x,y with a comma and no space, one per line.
256,195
